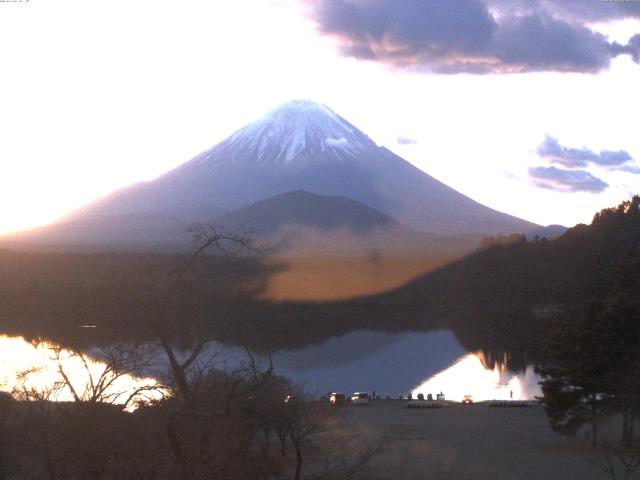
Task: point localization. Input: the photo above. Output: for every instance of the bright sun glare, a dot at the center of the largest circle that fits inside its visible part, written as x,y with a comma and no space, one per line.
18,357
468,376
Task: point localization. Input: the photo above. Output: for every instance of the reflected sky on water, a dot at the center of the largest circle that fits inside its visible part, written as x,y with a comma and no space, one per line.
36,368
390,364
468,376
398,363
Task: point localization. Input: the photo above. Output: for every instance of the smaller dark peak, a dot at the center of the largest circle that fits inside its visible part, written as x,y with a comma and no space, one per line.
300,207
297,194
304,199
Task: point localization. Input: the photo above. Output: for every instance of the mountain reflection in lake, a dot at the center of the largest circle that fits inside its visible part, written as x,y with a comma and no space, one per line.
367,360
390,363
394,364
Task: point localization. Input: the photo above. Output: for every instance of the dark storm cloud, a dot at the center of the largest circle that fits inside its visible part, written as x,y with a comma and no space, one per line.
566,180
406,141
454,36
400,31
580,157
539,42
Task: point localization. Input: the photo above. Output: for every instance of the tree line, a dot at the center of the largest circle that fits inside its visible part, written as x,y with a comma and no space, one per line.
592,365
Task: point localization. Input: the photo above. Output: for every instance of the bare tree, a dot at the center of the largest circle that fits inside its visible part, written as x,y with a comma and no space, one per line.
619,460
27,391
109,377
207,239
8,425
306,421
37,402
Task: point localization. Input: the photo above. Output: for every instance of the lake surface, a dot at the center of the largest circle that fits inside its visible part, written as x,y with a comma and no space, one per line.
398,363
36,370
391,364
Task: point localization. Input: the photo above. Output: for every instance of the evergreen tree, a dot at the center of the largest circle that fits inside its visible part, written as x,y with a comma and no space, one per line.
593,367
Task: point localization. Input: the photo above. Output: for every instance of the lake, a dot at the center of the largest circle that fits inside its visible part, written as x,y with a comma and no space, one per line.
391,364
395,364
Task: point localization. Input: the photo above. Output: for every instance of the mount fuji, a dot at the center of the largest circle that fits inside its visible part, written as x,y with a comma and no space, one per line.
306,146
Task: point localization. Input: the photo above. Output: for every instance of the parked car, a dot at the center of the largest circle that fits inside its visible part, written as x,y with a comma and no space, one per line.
360,398
336,398
467,400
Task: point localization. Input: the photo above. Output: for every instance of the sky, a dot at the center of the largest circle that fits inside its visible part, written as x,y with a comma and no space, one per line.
528,107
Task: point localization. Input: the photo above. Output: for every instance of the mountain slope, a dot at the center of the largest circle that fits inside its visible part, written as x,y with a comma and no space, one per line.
128,232
587,262
306,146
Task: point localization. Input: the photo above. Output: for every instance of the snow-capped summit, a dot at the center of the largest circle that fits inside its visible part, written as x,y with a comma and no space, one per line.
297,133
304,145
306,115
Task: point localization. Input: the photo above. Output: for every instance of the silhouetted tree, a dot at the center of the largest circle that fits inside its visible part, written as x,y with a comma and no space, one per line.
618,460
593,369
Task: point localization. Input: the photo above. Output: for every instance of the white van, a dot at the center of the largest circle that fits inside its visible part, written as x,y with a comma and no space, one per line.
360,398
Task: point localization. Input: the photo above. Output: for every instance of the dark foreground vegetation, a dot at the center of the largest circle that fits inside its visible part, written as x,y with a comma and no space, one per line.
197,419
201,422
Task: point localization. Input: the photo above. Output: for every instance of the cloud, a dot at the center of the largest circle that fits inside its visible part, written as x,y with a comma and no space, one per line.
630,169
633,48
572,10
540,42
566,180
455,36
406,31
406,140
336,142
573,157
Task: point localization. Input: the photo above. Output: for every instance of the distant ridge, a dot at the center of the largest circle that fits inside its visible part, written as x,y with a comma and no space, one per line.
550,231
